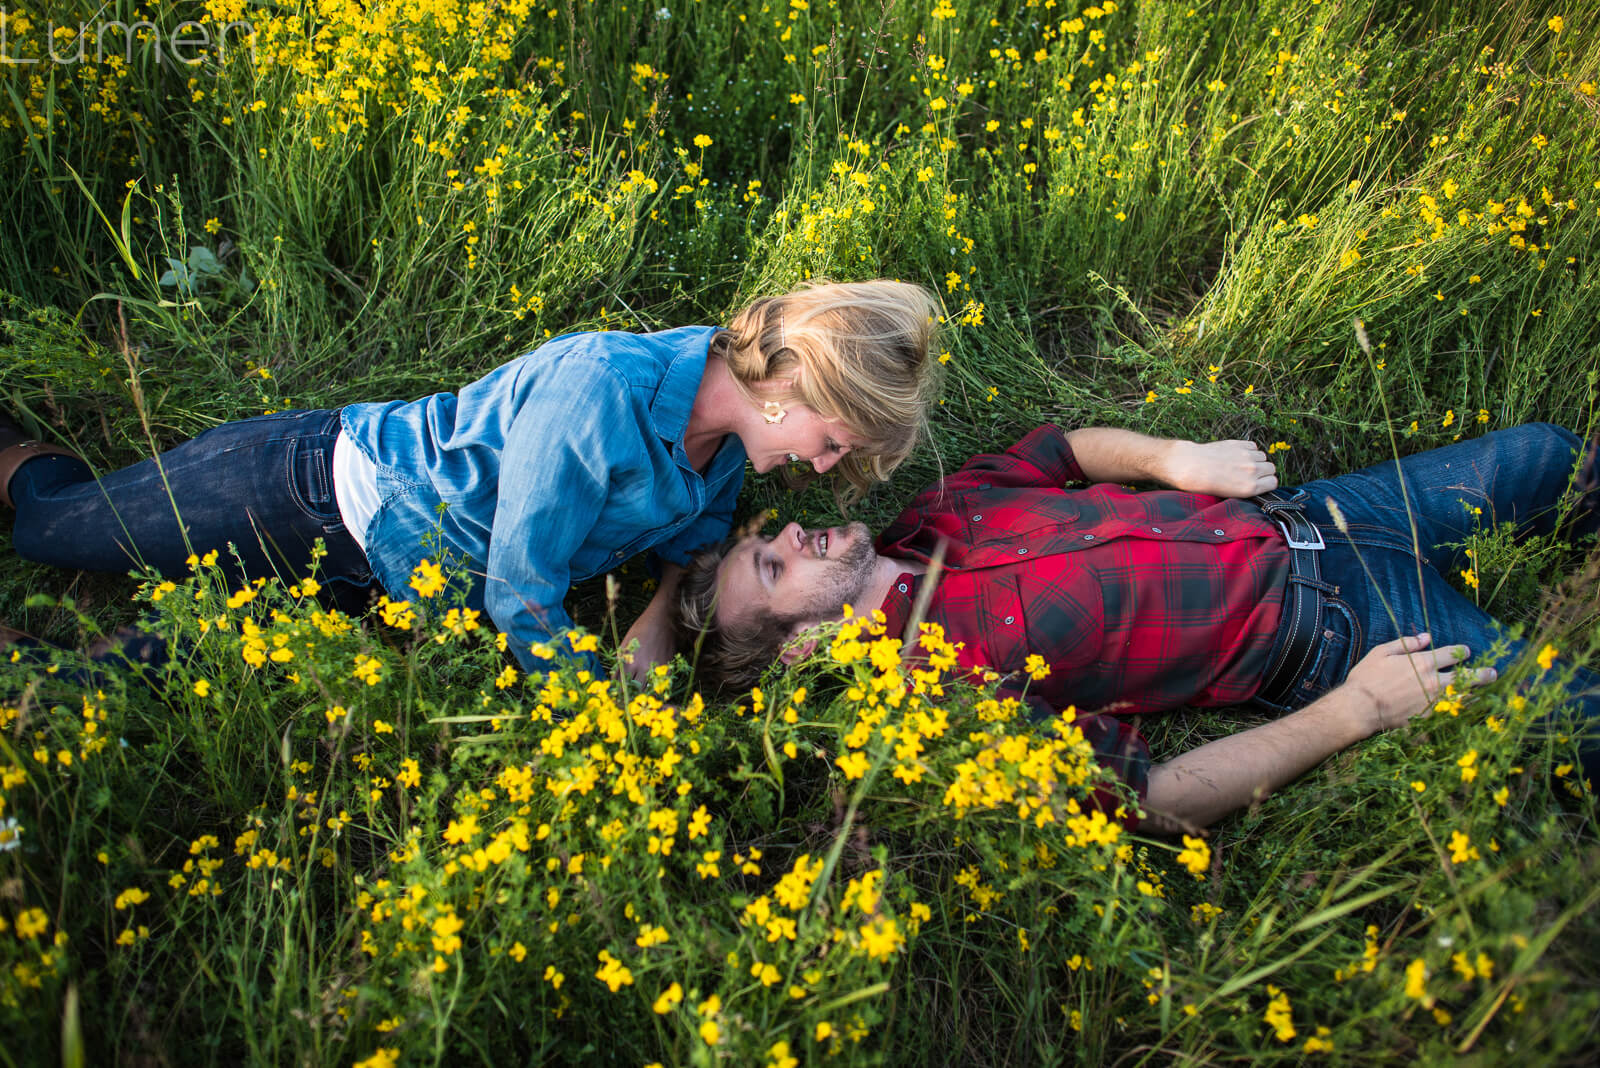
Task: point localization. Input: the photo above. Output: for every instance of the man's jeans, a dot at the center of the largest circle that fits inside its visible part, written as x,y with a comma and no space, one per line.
1392,584
264,485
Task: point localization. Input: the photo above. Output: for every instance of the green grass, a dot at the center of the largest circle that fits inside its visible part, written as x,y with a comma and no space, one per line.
1215,220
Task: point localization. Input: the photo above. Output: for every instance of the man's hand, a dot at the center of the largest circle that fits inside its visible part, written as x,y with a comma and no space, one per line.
1218,468
655,646
1400,679
653,630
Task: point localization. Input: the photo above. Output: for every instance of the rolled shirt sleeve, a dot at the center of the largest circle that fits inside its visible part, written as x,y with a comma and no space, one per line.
1042,458
1117,745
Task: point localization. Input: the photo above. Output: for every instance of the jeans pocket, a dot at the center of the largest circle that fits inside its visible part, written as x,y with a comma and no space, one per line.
1336,651
310,478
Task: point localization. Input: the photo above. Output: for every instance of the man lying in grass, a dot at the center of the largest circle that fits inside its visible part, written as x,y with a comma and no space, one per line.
1219,591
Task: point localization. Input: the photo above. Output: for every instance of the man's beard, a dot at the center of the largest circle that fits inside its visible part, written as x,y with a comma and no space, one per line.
845,581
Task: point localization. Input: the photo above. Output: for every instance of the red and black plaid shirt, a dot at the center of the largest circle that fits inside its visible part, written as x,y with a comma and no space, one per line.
1138,602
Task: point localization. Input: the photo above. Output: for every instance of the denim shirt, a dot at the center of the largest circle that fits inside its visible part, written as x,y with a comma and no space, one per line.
552,468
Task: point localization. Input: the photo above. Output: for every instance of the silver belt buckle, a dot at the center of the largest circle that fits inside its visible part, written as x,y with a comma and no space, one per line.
1296,543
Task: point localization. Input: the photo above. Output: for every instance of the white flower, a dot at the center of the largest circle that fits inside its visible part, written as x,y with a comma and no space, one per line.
662,14
10,834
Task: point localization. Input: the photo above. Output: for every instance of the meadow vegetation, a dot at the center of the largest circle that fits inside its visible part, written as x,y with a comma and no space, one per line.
1345,229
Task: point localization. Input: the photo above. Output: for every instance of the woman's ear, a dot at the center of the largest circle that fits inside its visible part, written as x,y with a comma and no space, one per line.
778,386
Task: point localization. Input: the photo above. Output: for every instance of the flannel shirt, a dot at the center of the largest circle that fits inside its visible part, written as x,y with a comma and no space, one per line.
1137,602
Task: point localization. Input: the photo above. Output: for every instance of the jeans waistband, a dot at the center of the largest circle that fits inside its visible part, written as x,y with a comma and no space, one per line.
1294,648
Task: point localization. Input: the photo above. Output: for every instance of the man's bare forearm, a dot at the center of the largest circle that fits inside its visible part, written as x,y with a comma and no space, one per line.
1393,682
1199,787
1109,454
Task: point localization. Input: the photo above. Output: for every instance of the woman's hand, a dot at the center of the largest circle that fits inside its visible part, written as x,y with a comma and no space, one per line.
1218,468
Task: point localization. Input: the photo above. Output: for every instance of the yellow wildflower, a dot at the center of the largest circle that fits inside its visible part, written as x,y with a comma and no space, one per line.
1279,1015
1196,856
670,998
427,579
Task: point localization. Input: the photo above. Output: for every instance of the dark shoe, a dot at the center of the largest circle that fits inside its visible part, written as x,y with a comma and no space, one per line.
16,449
1586,512
129,645
10,636
127,653
10,432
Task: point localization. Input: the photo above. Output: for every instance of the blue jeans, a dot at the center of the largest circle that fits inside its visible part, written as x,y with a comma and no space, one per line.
262,485
1391,583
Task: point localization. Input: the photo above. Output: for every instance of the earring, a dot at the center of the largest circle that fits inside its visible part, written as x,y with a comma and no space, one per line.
773,412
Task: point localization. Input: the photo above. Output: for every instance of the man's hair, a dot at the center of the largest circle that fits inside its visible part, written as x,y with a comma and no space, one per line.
725,657
859,352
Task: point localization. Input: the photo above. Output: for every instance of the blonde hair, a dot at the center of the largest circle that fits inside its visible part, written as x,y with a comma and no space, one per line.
857,352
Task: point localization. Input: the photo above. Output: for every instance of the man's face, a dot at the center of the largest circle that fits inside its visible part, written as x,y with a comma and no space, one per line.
799,576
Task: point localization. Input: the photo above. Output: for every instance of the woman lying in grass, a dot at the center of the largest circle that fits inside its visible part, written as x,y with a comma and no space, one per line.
554,467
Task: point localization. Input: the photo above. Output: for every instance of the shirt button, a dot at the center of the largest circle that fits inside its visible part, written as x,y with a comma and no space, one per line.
1156,529
1010,620
1088,537
902,587
1218,532
978,518
1022,552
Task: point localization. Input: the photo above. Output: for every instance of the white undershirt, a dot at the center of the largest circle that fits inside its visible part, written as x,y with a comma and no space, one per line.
355,488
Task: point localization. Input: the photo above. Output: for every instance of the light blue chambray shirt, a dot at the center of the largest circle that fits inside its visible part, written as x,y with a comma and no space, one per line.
552,468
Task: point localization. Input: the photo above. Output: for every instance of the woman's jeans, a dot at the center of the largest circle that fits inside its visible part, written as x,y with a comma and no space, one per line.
1391,583
263,486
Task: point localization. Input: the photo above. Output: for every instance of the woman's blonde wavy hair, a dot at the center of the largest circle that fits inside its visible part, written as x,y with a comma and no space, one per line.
857,352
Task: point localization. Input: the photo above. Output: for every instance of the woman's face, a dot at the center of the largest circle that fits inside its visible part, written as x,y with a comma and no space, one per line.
803,436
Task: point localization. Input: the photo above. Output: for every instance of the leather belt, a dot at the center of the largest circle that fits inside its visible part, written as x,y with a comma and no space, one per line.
1301,625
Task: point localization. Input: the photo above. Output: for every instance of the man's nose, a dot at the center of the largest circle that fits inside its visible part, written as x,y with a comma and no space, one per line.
792,537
